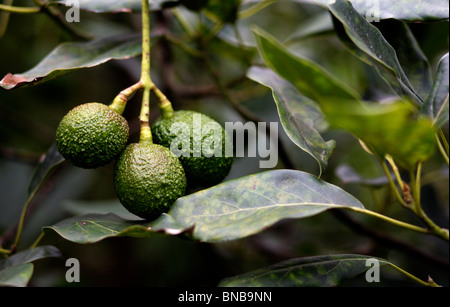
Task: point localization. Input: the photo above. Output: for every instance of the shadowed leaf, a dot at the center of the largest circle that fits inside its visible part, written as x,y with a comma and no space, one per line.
308,77
298,115
49,162
17,269
435,106
410,55
315,271
94,227
370,45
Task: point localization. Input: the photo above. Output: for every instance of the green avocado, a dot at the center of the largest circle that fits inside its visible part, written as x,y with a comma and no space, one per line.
91,135
148,179
202,145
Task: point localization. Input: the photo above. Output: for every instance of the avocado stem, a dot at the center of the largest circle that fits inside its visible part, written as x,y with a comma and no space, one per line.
146,81
165,105
120,101
145,135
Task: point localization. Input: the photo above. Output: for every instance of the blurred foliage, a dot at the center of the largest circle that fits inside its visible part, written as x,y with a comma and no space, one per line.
29,117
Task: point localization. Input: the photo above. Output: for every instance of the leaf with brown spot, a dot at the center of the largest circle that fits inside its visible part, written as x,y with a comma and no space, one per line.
71,56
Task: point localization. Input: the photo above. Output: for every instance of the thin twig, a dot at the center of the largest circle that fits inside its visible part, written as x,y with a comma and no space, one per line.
388,241
55,14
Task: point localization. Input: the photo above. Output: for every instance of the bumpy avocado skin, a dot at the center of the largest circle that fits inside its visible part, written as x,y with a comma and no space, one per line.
148,179
202,166
91,135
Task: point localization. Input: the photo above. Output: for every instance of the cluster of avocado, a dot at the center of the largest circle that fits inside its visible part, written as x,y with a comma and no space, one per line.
148,176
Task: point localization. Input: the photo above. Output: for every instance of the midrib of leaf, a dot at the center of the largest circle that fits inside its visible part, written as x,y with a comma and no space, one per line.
276,205
441,110
80,225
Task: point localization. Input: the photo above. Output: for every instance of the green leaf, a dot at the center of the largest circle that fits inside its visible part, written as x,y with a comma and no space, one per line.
297,114
387,129
228,211
407,10
94,227
411,57
384,73
17,269
245,206
16,276
76,55
435,106
315,271
49,162
309,78
30,255
373,47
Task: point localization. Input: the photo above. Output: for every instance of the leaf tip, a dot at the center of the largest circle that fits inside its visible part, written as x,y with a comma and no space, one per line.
10,81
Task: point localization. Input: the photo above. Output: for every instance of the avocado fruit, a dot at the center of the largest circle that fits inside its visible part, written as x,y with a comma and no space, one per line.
148,179
199,142
91,135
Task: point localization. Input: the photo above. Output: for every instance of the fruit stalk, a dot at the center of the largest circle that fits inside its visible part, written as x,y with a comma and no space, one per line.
120,102
165,105
147,84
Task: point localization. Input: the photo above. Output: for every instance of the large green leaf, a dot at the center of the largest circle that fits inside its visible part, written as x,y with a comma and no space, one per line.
408,10
76,55
17,269
410,55
380,69
228,211
373,47
387,129
315,271
298,115
435,106
309,78
245,206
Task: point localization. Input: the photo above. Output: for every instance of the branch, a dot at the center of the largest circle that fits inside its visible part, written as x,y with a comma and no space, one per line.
385,240
58,17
